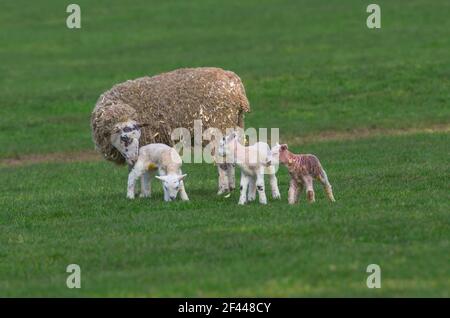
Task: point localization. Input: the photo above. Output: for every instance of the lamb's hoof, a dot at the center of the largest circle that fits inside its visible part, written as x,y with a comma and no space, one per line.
130,196
227,195
276,196
143,195
222,191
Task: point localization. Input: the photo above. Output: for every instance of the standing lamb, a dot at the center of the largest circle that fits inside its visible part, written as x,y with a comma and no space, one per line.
303,169
147,109
168,162
253,161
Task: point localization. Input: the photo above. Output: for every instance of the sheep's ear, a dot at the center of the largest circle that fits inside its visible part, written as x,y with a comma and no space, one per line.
182,177
162,178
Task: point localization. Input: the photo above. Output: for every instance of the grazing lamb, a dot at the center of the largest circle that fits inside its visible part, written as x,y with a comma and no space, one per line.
168,162
303,168
253,161
165,102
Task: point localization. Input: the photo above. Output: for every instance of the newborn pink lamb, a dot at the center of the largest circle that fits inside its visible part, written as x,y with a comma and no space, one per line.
303,168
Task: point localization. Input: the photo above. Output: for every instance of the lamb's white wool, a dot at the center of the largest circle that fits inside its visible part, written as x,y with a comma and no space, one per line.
168,162
253,161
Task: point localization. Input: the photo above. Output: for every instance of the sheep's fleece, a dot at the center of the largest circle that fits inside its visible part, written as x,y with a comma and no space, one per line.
167,101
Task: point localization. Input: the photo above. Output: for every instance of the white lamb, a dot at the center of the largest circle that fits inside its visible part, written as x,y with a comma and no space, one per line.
253,161
168,162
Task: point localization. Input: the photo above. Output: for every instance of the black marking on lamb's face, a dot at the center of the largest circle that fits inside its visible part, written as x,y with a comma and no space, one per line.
260,188
240,188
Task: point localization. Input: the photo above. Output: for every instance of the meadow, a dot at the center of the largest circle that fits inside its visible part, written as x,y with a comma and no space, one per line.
372,104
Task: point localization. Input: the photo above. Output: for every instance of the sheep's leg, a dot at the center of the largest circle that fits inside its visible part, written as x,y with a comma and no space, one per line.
135,173
293,191
251,189
223,178
163,172
231,177
183,194
274,183
308,180
244,188
327,185
130,167
260,187
145,185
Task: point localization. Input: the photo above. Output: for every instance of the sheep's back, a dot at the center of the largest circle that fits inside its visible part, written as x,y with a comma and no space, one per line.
171,100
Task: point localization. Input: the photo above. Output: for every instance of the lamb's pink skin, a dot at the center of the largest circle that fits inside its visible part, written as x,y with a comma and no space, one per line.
303,169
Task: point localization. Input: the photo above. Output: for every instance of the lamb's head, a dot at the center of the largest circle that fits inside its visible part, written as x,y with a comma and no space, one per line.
279,153
171,184
226,144
125,138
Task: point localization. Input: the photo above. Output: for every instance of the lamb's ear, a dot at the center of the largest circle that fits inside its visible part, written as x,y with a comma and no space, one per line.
162,178
182,177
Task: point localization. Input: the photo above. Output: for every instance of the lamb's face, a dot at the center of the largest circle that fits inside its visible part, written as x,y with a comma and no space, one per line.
125,138
224,143
171,184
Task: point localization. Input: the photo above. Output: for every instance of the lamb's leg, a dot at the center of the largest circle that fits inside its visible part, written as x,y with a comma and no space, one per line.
183,194
162,172
251,189
308,180
327,185
293,191
260,187
231,177
135,173
244,188
223,178
274,183
130,167
145,185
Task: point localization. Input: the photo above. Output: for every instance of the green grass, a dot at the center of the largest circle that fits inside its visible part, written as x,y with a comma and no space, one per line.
313,61
391,210
308,67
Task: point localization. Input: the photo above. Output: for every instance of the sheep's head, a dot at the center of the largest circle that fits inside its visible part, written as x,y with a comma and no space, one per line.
125,138
171,184
279,152
226,142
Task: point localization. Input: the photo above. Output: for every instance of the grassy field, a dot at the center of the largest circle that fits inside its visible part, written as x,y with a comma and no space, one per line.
310,68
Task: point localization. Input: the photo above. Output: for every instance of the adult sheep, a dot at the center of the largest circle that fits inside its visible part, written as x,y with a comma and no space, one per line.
147,109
